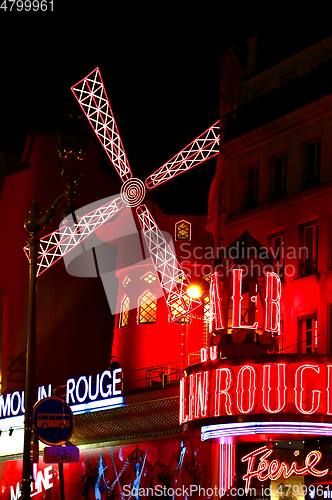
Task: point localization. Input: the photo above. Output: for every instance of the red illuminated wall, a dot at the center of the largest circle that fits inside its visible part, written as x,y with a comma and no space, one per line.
138,346
162,469
74,322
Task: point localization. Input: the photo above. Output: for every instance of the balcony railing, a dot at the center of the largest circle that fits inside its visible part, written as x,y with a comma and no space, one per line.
152,376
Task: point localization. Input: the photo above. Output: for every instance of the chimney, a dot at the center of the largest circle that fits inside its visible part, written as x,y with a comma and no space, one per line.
251,57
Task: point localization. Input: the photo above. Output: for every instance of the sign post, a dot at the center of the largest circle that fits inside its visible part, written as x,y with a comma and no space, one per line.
54,423
61,454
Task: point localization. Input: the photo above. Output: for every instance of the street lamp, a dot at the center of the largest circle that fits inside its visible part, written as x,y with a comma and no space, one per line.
72,150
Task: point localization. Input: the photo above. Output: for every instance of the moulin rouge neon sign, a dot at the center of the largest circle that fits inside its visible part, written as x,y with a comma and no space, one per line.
275,469
268,320
273,384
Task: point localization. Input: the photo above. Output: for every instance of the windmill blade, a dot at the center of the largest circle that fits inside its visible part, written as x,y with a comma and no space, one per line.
91,96
201,149
172,277
57,244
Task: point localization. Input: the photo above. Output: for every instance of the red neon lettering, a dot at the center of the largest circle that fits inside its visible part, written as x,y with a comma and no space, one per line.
204,354
299,389
281,388
183,415
191,396
216,316
272,301
223,391
237,301
227,464
246,393
275,469
328,387
213,352
201,394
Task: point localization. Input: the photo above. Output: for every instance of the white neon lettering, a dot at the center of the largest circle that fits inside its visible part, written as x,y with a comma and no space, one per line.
237,301
201,393
223,391
299,389
15,409
116,381
70,390
104,394
79,398
204,354
246,393
328,390
15,495
213,352
183,399
216,317
272,301
281,388
93,396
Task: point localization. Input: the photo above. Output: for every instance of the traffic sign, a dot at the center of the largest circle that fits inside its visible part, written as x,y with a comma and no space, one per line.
53,420
61,454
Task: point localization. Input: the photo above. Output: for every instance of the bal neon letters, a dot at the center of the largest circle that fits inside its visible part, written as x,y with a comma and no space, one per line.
271,304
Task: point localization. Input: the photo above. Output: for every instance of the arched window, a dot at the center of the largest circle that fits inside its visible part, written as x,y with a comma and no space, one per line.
182,230
124,312
126,281
147,308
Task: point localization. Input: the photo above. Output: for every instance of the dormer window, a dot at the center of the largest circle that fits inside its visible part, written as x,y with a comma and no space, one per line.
182,230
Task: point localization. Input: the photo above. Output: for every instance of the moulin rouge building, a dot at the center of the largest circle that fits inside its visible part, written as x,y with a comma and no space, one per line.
235,397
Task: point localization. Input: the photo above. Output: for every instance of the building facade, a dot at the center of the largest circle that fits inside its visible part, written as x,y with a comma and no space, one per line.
234,399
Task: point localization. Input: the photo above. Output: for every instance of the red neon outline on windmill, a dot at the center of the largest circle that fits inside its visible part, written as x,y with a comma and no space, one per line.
91,96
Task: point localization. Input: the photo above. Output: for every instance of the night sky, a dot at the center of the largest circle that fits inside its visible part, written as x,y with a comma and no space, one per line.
159,62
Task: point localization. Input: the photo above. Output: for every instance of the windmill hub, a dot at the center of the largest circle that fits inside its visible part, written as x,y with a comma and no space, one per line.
133,192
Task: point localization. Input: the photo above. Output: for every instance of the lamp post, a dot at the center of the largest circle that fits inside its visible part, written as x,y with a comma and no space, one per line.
72,154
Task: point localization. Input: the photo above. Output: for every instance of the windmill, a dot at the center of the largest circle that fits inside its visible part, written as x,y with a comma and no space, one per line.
91,96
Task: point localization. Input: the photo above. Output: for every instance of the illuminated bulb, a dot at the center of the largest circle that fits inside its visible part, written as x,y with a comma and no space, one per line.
194,291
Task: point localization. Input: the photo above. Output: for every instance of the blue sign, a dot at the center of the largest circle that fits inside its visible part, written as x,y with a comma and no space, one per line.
61,454
53,420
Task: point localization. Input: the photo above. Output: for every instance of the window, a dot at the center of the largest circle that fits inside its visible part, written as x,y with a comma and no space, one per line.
278,173
311,164
126,281
148,277
277,248
124,312
147,308
308,252
182,230
308,335
250,187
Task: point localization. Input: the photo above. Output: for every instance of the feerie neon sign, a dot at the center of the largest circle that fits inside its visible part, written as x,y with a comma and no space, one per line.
269,320
273,384
275,469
